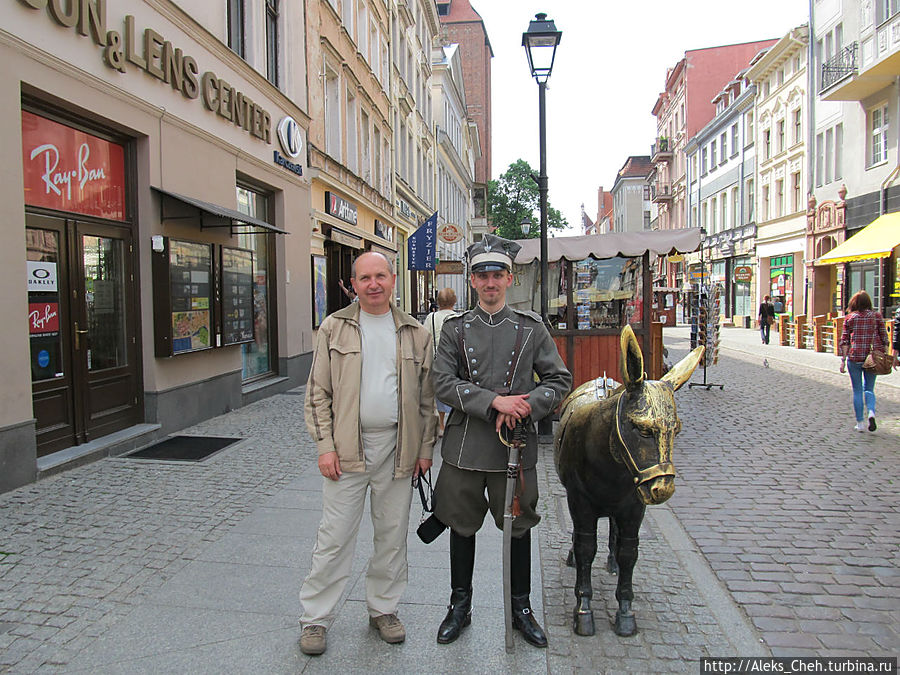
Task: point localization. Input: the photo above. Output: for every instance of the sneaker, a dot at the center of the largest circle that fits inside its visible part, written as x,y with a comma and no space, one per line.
872,425
312,640
860,426
389,628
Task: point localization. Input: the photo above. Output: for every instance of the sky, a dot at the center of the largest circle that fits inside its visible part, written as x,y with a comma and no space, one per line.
610,68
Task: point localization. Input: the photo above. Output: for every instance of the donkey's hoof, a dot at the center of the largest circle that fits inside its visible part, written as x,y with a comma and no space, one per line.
570,559
625,626
584,622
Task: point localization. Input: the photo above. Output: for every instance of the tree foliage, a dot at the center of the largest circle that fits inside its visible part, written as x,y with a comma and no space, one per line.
514,197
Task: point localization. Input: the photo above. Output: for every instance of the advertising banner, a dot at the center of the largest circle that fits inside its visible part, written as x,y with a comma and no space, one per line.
70,170
422,245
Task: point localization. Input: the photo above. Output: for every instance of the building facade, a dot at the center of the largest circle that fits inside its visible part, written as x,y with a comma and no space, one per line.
721,160
414,26
855,91
457,152
157,198
781,125
631,195
462,25
682,109
351,140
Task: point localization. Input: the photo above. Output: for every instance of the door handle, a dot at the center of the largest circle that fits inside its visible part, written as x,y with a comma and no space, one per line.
77,338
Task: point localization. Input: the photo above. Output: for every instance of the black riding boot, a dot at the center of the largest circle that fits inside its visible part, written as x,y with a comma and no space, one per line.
520,582
459,611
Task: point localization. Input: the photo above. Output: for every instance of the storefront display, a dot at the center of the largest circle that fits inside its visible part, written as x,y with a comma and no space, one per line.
781,288
203,297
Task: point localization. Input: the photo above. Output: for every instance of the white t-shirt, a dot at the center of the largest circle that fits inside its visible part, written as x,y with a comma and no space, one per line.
434,322
378,395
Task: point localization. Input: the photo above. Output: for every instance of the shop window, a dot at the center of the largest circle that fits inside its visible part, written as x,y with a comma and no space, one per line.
259,358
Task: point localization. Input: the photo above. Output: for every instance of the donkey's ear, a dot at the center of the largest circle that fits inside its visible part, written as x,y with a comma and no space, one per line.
632,365
681,372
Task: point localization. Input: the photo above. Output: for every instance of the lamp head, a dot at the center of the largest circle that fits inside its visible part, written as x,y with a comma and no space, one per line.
540,42
525,225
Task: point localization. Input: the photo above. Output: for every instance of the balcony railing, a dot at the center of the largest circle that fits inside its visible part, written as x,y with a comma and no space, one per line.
841,65
661,151
660,191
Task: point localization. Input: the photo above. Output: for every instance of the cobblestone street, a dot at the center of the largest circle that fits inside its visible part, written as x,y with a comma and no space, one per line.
781,538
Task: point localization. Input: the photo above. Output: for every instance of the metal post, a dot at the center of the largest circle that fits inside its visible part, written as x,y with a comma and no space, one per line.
542,188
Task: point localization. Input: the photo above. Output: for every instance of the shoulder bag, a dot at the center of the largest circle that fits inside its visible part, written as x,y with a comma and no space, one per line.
878,362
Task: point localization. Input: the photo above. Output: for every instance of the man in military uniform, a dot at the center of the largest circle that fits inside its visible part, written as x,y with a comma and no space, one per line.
485,371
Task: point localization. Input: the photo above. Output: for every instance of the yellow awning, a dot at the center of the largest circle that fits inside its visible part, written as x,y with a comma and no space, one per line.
876,240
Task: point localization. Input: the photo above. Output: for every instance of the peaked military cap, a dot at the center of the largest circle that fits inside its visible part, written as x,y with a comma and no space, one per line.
492,253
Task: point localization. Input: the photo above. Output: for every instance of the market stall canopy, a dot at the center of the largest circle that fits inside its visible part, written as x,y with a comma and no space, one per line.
876,240
600,246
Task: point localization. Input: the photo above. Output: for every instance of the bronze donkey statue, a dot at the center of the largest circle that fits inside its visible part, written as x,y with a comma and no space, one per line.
613,454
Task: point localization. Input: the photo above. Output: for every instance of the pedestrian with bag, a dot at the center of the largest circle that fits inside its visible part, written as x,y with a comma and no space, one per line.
863,346
496,367
765,318
446,301
370,408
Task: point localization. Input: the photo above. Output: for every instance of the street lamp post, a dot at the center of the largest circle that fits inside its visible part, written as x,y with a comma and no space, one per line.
540,42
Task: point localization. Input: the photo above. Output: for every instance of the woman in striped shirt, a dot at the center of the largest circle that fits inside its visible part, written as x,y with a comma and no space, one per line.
863,331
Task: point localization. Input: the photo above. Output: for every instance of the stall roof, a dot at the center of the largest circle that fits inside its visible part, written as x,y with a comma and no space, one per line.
876,240
626,244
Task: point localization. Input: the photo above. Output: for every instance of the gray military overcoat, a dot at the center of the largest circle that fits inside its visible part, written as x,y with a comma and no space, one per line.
468,382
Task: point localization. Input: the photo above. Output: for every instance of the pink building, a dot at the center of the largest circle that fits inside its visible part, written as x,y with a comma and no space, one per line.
681,110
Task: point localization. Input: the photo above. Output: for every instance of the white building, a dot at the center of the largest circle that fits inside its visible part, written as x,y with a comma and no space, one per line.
631,195
457,150
414,25
781,113
856,92
721,161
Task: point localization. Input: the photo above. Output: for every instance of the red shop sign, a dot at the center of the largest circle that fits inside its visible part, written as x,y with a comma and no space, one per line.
43,317
70,170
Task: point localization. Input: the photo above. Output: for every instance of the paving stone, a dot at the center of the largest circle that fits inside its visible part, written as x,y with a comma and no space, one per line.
808,553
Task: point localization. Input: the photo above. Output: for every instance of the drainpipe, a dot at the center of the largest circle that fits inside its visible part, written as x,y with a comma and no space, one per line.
810,139
882,206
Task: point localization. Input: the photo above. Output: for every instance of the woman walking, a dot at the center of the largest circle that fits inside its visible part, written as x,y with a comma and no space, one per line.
863,332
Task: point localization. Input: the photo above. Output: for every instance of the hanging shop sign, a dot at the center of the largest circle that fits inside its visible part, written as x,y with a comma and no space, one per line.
743,273
129,49
449,233
450,267
70,170
340,208
422,246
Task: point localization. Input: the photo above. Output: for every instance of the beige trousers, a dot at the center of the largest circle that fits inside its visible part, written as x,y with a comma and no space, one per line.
343,502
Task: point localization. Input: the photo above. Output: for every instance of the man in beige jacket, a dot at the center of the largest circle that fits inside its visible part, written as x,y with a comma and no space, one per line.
370,408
